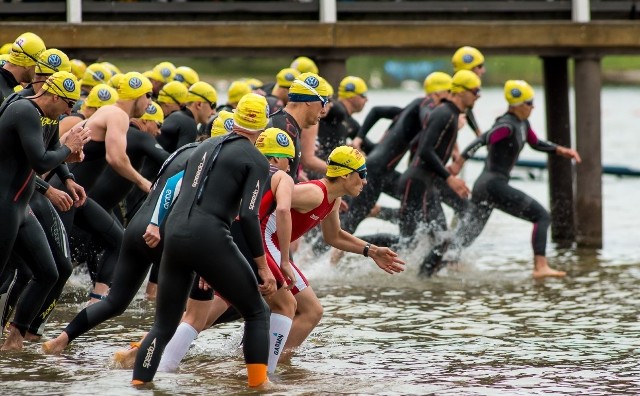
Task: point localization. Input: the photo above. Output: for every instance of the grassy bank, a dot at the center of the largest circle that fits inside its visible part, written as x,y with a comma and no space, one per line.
616,69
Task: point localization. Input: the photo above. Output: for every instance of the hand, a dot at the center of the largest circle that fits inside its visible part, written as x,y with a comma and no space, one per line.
76,156
77,192
144,185
458,186
152,235
268,285
289,274
456,166
387,259
59,199
77,137
203,285
568,153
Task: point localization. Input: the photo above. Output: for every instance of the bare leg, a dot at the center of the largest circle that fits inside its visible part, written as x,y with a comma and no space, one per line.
541,268
308,315
151,291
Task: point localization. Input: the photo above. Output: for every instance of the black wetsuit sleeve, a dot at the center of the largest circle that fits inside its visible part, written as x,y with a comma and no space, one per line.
375,114
153,150
436,130
30,132
187,135
41,185
250,208
474,146
471,121
61,170
539,144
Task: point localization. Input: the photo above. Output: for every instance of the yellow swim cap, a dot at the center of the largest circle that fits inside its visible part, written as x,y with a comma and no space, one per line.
173,92
133,85
186,75
252,113
351,86
53,60
115,80
237,90
517,92
223,124
254,83
101,95
309,87
95,74
153,113
202,92
465,80
304,65
6,49
63,84
78,68
466,58
274,142
344,160
437,82
3,59
330,90
26,50
285,77
163,72
113,69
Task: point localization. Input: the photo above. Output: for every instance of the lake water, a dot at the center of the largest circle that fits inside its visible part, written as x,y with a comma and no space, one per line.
484,328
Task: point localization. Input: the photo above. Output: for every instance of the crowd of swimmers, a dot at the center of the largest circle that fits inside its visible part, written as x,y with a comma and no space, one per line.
145,175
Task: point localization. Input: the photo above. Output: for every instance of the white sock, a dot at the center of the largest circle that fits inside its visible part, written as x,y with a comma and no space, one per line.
278,334
177,348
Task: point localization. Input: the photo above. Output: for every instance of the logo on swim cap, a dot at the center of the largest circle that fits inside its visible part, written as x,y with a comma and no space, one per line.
179,77
69,85
98,75
267,109
312,82
20,41
467,58
516,93
350,87
54,60
228,124
289,77
164,72
104,94
282,140
151,109
135,82
2,62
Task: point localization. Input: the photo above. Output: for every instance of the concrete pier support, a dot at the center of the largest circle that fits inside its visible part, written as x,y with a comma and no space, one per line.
561,181
588,83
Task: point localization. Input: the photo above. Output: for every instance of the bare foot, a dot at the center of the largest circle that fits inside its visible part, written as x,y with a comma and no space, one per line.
14,340
151,291
32,337
56,345
126,358
541,269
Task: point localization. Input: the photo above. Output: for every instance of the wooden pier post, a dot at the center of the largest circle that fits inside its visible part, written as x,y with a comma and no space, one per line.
588,83
333,69
556,92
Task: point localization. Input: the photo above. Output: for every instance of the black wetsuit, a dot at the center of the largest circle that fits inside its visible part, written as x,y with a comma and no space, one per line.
374,115
218,185
135,256
334,129
22,154
111,188
7,83
287,123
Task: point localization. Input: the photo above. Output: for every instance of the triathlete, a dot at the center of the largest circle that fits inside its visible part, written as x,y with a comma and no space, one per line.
469,58
20,66
504,141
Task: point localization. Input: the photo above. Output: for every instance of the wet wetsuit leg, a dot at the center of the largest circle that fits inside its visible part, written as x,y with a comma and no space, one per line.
18,276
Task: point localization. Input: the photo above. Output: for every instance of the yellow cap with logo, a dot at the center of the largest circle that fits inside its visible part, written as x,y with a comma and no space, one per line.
517,92
202,92
163,72
133,85
115,80
344,160
252,113
78,68
285,77
465,80
186,75
53,60
173,92
466,58
63,84
101,95
304,65
274,142
351,86
237,90
437,82
223,123
3,59
309,87
254,83
330,90
113,69
26,50
153,113
95,74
